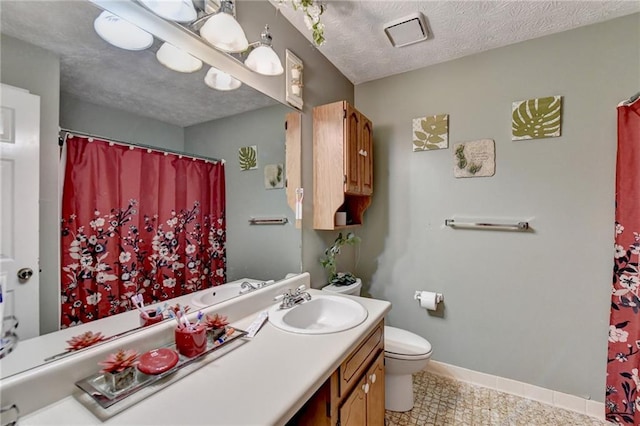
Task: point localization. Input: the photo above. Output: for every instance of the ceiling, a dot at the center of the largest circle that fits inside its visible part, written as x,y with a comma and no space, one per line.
357,45
135,82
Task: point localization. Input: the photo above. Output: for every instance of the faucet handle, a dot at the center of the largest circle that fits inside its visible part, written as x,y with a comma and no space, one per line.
286,294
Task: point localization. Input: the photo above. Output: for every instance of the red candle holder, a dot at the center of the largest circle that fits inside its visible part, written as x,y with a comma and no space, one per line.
191,341
151,318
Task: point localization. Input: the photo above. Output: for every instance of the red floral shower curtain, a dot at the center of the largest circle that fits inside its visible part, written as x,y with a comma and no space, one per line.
137,221
622,403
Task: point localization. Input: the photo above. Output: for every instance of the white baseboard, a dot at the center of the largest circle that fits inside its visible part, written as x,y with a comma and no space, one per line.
591,408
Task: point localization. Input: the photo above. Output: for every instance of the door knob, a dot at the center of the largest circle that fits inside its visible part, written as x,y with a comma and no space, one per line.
24,274
372,378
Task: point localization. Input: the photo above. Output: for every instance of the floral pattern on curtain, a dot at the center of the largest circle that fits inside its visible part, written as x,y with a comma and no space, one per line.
136,221
622,403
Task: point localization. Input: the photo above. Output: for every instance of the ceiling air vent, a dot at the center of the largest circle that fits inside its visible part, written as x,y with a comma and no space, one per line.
408,30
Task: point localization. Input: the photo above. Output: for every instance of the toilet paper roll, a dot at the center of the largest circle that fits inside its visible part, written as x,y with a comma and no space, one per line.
428,300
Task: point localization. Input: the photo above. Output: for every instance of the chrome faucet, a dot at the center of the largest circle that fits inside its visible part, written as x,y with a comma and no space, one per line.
291,298
247,287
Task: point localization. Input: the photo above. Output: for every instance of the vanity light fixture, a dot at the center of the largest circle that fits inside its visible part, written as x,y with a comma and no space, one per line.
220,80
120,33
177,59
223,31
173,10
263,59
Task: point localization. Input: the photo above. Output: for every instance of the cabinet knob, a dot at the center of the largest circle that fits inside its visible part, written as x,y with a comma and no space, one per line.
372,378
365,388
363,153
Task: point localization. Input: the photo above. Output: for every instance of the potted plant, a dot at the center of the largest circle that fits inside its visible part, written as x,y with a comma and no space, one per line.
216,325
328,261
118,369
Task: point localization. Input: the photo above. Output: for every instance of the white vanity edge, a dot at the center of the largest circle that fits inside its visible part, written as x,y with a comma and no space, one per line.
31,353
264,381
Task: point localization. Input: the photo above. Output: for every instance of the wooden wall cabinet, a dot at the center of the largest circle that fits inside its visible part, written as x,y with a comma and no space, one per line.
342,164
293,159
354,394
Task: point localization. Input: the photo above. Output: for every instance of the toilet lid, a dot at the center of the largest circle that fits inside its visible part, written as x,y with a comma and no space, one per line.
404,342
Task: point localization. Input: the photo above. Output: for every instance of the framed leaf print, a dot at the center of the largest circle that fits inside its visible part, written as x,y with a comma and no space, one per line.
474,158
248,157
536,118
431,132
273,176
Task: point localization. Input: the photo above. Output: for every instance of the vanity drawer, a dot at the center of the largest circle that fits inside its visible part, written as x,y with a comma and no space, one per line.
351,369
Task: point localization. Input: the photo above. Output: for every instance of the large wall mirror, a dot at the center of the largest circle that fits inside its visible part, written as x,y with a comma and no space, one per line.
88,86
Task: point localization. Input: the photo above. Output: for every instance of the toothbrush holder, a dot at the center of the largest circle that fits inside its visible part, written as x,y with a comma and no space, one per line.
191,341
151,318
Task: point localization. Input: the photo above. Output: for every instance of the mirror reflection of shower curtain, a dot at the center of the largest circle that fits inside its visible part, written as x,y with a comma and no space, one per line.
137,221
622,402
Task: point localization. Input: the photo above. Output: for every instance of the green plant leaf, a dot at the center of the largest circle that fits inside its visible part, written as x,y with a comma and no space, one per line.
432,146
435,139
247,158
537,118
421,136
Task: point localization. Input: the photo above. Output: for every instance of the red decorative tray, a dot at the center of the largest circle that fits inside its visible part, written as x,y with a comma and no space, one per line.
159,362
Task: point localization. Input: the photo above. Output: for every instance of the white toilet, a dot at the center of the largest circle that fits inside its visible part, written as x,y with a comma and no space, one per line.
405,353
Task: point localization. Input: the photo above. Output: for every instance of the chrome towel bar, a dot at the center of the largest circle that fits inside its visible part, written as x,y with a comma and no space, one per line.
520,226
269,221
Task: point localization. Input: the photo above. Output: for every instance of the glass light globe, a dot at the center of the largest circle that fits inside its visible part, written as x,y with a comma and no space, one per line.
173,10
264,60
120,33
177,59
220,80
224,32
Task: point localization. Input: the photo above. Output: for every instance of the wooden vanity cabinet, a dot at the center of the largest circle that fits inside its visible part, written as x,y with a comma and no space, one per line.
354,394
343,164
365,403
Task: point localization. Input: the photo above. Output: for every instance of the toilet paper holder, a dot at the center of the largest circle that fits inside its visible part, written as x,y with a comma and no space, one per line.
420,293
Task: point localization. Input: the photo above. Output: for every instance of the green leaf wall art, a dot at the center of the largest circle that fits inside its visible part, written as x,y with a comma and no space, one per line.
474,158
431,132
273,176
536,118
248,157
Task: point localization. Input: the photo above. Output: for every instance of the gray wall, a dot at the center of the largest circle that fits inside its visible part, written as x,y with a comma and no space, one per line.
38,71
260,252
533,307
323,84
82,116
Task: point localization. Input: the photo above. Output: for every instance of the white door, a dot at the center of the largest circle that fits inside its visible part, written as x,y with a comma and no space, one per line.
19,186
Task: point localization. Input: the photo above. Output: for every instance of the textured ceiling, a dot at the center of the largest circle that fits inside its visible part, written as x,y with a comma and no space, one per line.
357,46
135,82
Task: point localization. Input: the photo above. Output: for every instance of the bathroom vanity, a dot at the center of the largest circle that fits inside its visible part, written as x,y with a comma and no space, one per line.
354,394
274,378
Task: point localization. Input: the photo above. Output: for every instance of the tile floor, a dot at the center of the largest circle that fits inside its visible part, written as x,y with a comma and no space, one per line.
444,401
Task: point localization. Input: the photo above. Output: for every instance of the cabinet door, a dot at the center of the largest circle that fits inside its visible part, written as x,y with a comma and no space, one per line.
375,394
353,411
351,147
365,154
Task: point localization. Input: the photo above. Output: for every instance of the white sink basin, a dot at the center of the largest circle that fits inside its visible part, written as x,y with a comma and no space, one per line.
216,294
320,315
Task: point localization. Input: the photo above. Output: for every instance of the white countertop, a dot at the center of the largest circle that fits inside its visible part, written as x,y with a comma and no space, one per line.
31,353
261,382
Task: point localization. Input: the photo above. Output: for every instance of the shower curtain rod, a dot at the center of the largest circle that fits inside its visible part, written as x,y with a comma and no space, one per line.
137,145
